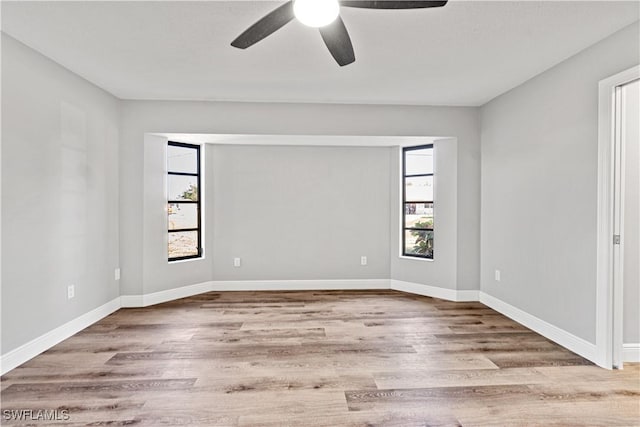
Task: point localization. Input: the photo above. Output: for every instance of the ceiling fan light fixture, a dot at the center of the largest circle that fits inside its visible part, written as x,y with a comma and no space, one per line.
316,13
323,13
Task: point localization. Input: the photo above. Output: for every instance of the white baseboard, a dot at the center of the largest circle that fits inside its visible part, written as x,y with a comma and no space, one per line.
164,296
250,285
127,301
547,330
434,291
631,353
298,285
44,342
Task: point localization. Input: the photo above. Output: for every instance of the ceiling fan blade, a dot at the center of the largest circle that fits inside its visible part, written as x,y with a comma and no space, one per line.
393,4
266,26
337,39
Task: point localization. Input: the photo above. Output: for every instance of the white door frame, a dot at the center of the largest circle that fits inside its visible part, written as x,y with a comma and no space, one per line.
610,221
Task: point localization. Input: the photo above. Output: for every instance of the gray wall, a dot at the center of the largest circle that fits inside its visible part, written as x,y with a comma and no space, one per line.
140,257
631,275
442,271
288,212
158,274
539,172
59,194
300,212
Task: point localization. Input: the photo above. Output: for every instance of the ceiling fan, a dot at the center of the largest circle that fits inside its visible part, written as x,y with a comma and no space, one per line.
324,15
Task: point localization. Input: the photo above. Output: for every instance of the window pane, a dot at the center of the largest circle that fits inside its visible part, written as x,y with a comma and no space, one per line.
418,215
419,189
419,161
182,159
418,243
181,187
182,215
183,243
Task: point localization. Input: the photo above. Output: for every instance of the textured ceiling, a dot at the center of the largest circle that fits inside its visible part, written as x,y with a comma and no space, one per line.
463,54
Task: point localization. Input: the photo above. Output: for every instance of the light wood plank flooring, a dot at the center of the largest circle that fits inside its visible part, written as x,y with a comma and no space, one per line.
331,358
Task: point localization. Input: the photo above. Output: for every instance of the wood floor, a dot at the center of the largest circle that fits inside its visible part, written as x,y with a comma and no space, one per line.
332,358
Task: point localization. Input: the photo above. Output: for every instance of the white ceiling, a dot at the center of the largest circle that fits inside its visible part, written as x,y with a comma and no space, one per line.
463,54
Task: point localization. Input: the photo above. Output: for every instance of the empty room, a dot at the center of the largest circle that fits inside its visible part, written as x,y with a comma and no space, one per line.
320,213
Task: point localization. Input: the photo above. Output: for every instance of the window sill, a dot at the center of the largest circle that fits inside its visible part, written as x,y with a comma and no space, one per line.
414,258
180,261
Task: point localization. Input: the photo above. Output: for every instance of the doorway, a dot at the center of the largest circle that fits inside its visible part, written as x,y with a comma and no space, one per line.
627,214
618,287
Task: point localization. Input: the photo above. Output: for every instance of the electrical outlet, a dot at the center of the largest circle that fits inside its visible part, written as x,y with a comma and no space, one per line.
363,260
116,274
236,262
71,291
497,275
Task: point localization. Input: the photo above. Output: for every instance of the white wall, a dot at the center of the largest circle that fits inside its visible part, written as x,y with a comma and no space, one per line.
631,275
59,194
140,262
539,171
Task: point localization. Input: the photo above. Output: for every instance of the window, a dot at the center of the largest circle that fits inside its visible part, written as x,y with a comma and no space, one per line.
417,201
183,201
